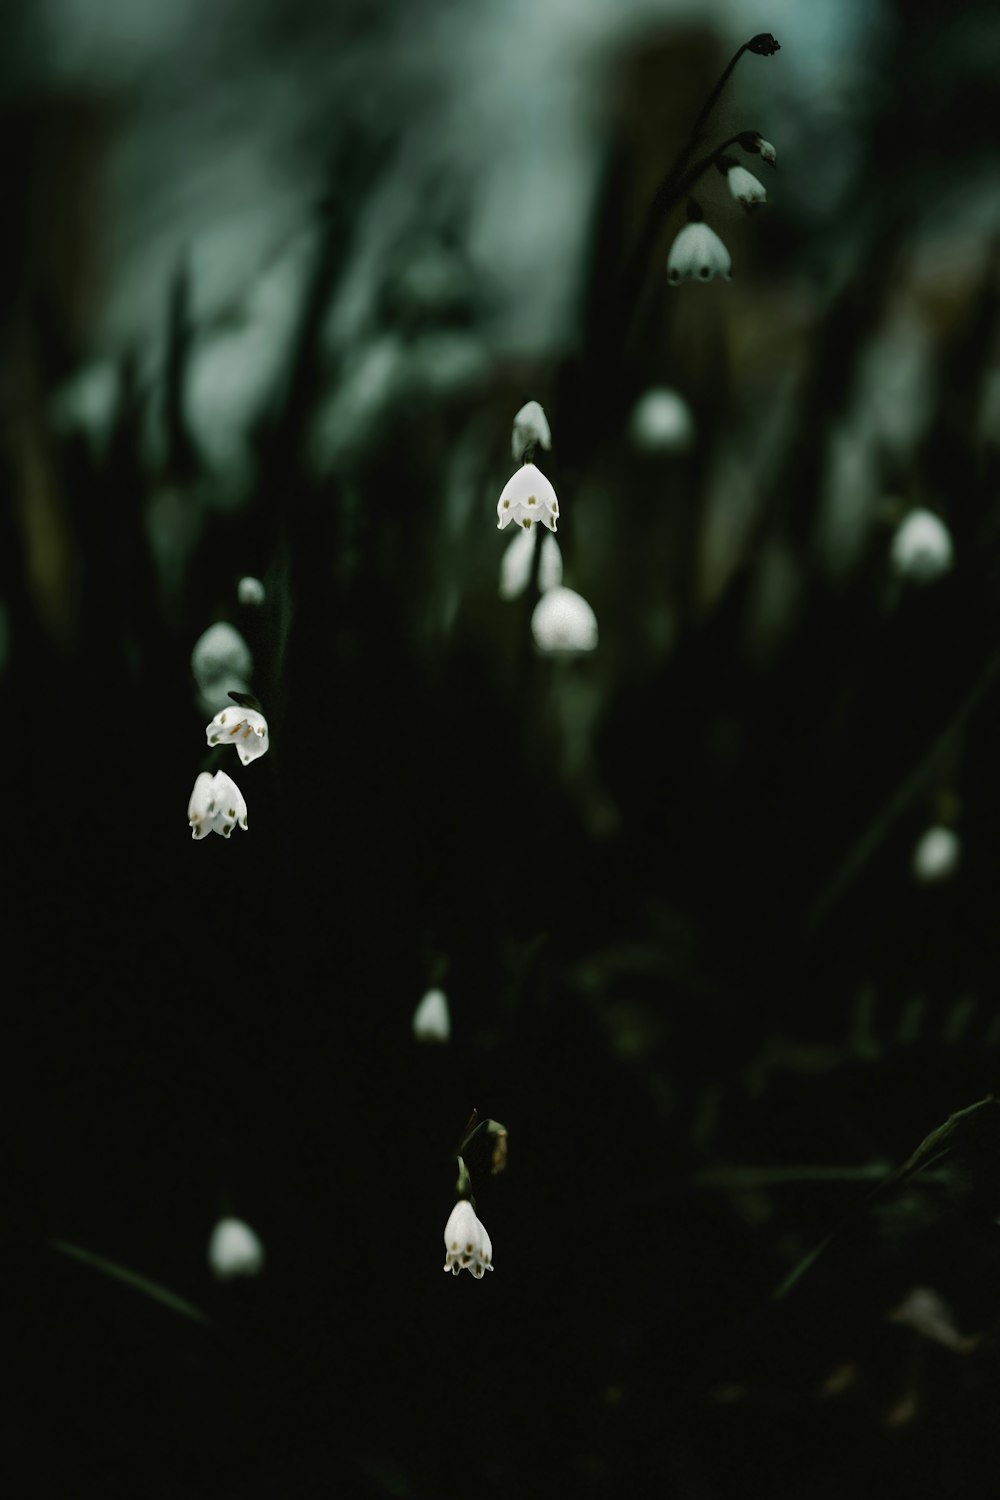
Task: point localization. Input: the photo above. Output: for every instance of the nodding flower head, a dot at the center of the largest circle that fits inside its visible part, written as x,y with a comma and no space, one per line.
431,1019
563,623
526,497
745,187
922,547
531,427
216,806
243,727
234,1250
466,1241
936,855
250,590
515,565
697,254
754,142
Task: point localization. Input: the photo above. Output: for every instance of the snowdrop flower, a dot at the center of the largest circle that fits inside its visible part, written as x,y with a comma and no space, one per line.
431,1019
527,496
234,1250
922,547
697,254
662,422
531,426
243,727
250,591
767,152
216,806
563,623
515,565
220,651
936,855
466,1241
745,187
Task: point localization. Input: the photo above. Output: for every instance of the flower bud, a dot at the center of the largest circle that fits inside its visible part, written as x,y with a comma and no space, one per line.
431,1019
530,427
234,1250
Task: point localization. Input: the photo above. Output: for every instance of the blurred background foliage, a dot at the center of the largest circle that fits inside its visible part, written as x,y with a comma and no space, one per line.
274,281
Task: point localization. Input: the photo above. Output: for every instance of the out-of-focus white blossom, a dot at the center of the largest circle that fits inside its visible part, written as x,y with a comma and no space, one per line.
219,651
234,1250
563,623
527,496
531,427
431,1019
662,422
467,1243
250,591
243,727
515,565
922,548
697,254
745,187
550,565
216,806
767,152
936,855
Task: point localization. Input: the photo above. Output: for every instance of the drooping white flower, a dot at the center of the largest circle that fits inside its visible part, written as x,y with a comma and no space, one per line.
767,152
466,1241
531,427
936,855
220,650
563,623
922,548
234,1250
243,727
662,422
515,565
527,496
697,254
550,565
250,590
745,187
431,1019
216,806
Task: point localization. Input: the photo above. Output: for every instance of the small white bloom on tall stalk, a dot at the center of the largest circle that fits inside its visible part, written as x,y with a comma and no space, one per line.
526,497
661,422
745,187
431,1019
563,623
216,806
936,855
234,1250
243,727
922,548
466,1242
250,590
697,254
530,429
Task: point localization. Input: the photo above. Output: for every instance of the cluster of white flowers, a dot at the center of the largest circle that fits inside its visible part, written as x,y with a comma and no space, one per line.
697,253
216,804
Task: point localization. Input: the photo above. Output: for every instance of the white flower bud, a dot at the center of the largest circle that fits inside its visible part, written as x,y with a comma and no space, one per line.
531,427
250,590
563,623
243,727
467,1243
234,1250
431,1019
922,547
219,651
662,422
745,187
936,855
216,806
767,152
527,496
697,254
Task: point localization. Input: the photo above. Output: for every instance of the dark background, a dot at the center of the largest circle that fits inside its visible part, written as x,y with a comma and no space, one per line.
275,281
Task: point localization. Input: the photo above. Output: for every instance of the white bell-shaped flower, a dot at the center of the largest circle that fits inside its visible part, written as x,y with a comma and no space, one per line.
531,428
662,422
527,496
221,650
697,254
936,855
515,565
216,806
767,152
745,187
250,590
234,1250
466,1241
243,727
922,548
563,623
432,1019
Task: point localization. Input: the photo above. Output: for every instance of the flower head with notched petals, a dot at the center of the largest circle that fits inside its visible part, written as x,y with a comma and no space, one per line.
745,187
216,806
527,496
466,1241
697,254
243,727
